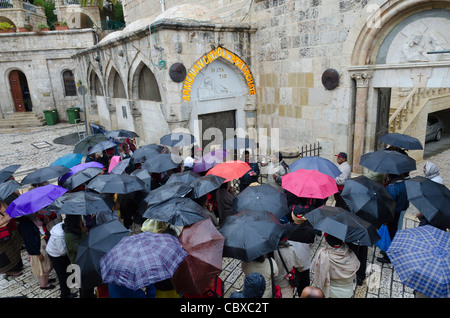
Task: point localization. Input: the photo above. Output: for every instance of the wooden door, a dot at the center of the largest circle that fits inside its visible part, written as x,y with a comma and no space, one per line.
16,91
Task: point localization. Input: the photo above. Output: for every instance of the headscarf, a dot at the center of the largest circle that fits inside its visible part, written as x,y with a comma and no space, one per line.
431,170
333,263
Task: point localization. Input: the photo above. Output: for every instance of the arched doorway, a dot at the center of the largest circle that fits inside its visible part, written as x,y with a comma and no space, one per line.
398,81
218,96
20,91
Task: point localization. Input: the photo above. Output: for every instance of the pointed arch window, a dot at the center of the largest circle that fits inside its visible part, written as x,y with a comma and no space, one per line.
148,86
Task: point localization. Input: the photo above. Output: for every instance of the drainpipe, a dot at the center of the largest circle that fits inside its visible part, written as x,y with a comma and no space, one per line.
162,5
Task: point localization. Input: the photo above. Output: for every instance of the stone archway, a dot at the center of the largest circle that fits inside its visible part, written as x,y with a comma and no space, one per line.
387,54
218,96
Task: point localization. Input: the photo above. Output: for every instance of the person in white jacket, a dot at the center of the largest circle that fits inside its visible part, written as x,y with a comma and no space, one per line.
346,172
56,250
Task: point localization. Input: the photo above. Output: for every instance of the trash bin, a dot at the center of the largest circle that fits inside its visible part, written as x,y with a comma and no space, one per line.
74,114
51,116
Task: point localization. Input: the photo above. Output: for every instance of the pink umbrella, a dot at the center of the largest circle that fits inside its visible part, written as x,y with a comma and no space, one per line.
114,161
309,184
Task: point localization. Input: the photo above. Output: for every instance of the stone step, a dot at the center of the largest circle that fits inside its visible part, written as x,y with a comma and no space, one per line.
22,119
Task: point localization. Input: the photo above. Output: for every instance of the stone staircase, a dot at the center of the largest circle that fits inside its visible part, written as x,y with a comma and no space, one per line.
401,116
21,120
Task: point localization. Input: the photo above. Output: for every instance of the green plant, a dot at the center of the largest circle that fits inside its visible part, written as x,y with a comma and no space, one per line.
63,23
42,25
49,8
29,27
5,26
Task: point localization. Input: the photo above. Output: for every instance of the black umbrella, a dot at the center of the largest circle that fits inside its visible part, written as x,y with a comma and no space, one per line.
388,161
239,143
262,198
369,200
144,153
121,133
205,184
166,192
103,145
121,166
177,211
7,172
81,177
82,203
7,188
432,199
87,142
401,141
144,175
162,162
177,139
116,183
250,234
183,177
98,242
45,174
344,225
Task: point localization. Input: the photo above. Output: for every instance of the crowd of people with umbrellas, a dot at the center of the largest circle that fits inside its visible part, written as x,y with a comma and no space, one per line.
145,222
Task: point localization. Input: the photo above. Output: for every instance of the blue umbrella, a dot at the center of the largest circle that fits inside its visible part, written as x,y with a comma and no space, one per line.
34,200
103,145
177,139
316,163
421,258
69,160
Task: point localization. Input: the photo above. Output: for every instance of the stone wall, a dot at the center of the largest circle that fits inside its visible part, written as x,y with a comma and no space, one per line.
295,42
126,52
42,57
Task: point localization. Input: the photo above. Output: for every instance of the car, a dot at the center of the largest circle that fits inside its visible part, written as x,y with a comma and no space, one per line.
434,128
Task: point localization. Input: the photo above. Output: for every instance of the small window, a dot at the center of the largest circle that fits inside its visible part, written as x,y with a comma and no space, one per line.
69,84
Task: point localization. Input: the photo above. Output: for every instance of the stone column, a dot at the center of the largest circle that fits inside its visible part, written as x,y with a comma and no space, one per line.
110,104
362,90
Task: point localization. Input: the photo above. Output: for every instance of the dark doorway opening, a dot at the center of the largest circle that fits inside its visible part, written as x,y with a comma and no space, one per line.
214,128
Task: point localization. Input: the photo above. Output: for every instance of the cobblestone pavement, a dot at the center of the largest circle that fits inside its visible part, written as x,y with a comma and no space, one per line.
37,147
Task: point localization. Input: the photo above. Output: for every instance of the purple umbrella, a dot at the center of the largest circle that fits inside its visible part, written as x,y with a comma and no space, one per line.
209,160
34,200
79,167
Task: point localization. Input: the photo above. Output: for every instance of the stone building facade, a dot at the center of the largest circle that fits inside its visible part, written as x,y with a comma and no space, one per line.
294,51
40,66
288,73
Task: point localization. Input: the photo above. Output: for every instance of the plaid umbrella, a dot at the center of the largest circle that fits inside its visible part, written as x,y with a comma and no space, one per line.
420,257
142,259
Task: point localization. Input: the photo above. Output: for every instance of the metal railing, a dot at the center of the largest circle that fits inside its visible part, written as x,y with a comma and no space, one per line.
29,7
6,4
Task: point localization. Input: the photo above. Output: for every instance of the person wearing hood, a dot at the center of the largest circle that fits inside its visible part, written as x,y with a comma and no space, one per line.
431,171
254,287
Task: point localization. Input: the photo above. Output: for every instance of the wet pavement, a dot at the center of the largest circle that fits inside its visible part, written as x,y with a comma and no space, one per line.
37,147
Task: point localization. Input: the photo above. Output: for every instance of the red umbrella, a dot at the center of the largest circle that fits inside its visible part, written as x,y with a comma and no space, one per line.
204,245
309,184
230,170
